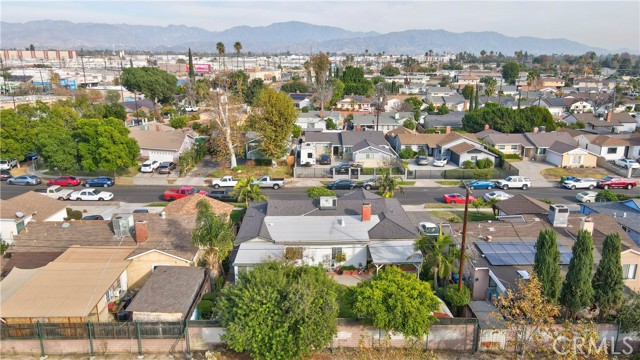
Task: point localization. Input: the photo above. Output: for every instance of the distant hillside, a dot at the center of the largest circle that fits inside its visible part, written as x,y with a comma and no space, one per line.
297,37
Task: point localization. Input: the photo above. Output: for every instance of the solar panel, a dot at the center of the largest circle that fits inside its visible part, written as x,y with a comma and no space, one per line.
516,252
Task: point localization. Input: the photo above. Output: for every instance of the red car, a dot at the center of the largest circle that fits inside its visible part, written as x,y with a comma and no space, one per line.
64,181
456,198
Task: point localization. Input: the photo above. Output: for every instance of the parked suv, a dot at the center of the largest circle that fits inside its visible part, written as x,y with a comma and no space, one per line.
8,164
514,182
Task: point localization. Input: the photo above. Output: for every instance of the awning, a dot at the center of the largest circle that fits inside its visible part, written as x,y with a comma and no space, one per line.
252,253
394,252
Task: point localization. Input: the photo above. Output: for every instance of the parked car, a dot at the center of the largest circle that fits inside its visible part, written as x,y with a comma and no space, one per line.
341,168
325,159
64,181
166,167
422,160
440,161
481,184
514,182
149,165
343,184
580,183
8,164
223,195
587,196
175,194
93,217
499,195
100,181
429,229
627,163
225,181
370,184
5,175
616,182
25,180
30,156
457,198
91,195
56,192
269,182
191,108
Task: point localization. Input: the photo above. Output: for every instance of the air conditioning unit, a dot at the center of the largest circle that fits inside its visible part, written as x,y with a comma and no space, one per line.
559,215
328,202
123,225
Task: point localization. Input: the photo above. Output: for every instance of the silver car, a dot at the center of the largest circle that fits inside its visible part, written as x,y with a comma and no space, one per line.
422,160
440,161
25,180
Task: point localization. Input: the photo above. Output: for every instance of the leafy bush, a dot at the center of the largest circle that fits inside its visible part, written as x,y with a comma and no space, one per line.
263,162
211,296
348,267
73,214
483,174
296,131
330,124
407,153
316,192
454,219
484,164
546,201
469,164
512,156
409,124
451,295
422,152
178,122
607,195
205,308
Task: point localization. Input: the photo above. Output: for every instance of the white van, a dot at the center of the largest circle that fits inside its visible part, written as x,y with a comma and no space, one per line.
307,154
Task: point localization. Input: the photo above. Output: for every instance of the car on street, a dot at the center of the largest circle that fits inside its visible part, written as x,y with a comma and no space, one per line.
499,195
343,184
149,165
422,160
514,182
325,159
457,198
8,164
440,161
481,184
25,180
30,156
341,168
166,167
616,182
5,175
91,195
225,195
580,183
627,163
93,217
587,196
64,181
100,181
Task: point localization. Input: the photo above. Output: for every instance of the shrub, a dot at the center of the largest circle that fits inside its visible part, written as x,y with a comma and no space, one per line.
330,124
211,296
305,109
454,219
482,174
263,162
194,117
422,152
469,164
546,201
607,195
407,153
348,267
296,131
317,192
178,122
73,214
205,308
451,295
484,164
512,156
409,124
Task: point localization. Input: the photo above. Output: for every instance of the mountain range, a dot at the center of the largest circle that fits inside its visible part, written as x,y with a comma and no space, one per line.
295,37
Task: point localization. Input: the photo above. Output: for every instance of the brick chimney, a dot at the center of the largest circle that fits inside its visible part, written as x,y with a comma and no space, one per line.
157,127
487,126
587,225
366,212
142,231
447,130
321,114
609,116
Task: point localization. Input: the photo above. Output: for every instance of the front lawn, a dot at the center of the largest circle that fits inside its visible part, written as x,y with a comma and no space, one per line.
557,173
482,215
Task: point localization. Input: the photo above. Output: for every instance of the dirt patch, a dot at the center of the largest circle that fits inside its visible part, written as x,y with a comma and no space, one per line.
557,173
124,181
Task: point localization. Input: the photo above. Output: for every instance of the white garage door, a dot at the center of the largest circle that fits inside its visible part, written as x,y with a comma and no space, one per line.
161,156
554,158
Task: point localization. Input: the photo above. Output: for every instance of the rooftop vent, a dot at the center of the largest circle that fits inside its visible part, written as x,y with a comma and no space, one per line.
328,202
559,215
19,215
65,225
342,222
123,225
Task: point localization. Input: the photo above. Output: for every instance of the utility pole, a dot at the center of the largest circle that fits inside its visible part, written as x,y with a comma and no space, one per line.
84,75
464,235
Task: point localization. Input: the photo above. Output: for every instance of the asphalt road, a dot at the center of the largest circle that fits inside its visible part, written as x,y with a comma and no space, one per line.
412,195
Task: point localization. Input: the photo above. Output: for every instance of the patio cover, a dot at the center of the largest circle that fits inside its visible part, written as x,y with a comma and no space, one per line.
394,252
251,253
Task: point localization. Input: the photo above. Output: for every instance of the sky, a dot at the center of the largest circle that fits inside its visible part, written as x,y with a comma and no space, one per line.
607,24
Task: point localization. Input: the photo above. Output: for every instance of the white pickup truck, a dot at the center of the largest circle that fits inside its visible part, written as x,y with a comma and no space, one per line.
225,181
269,182
514,182
56,192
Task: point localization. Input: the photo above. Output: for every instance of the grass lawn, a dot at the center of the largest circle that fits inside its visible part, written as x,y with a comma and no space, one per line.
407,183
254,171
448,182
158,204
443,206
482,215
557,173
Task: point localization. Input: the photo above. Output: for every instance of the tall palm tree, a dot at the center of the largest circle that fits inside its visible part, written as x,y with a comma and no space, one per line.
220,49
490,87
246,191
439,253
213,234
237,46
531,78
389,185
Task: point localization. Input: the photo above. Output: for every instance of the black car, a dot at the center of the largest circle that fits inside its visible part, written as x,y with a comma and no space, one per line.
93,217
325,159
166,167
223,195
344,184
30,156
342,168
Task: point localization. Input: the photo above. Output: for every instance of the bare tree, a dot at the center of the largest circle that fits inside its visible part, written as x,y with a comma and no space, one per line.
226,116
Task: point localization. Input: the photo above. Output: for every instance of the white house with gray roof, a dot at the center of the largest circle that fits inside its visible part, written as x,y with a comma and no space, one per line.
369,148
387,121
359,225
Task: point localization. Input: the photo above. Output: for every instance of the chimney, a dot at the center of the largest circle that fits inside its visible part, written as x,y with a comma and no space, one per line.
397,116
587,225
366,212
535,130
157,127
487,126
609,116
321,114
466,104
142,231
447,130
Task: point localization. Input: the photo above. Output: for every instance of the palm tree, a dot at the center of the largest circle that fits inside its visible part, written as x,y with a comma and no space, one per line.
531,78
246,191
220,49
490,86
237,46
213,234
389,185
492,202
438,253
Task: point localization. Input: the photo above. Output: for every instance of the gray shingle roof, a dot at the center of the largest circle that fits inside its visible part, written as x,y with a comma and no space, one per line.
522,204
546,139
347,138
562,147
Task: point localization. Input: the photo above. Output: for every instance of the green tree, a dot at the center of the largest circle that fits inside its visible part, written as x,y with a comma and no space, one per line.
105,144
443,110
274,119
155,84
510,72
279,312
295,86
192,71
457,298
355,82
396,301
178,122
214,235
255,86
467,92
113,96
489,86
439,254
607,282
56,144
546,264
320,65
476,100
115,110
17,134
577,291
330,124
246,191
220,49
237,46
389,70
389,185
630,315
607,195
409,124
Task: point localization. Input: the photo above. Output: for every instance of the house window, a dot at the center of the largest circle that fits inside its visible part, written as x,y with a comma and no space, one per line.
474,158
612,150
629,271
500,147
293,253
514,147
542,151
335,253
368,156
20,226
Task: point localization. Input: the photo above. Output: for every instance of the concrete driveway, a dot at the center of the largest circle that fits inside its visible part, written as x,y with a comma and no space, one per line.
532,169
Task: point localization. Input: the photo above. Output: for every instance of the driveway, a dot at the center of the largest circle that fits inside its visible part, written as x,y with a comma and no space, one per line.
532,169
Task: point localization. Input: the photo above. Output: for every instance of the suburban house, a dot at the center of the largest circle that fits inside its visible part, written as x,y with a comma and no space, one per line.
356,103
78,285
152,239
358,226
317,120
556,106
462,80
436,121
579,106
609,147
162,143
20,210
510,143
385,121
566,155
610,123
542,141
369,148
445,97
551,82
588,82
301,100
131,107
170,294
626,213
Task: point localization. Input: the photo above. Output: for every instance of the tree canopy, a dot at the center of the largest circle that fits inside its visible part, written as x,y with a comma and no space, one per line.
607,282
279,311
577,291
274,119
355,83
213,233
155,84
507,120
295,86
547,264
105,144
510,72
389,70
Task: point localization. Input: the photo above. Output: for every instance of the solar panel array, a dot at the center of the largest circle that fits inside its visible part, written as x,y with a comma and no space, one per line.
516,252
